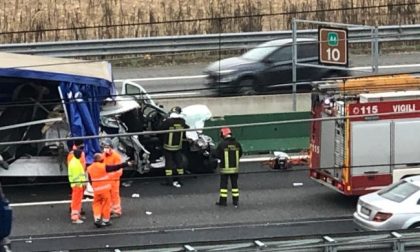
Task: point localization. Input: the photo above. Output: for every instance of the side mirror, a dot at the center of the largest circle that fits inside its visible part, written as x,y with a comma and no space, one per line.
268,61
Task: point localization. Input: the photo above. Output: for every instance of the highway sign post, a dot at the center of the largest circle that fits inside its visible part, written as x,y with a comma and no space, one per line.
333,46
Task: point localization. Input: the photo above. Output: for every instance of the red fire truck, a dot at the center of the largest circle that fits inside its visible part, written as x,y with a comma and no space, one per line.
365,133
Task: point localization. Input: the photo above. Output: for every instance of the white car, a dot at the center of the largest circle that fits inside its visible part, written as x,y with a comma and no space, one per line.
395,207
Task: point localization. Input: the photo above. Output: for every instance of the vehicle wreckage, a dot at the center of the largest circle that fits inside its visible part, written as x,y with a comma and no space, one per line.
53,98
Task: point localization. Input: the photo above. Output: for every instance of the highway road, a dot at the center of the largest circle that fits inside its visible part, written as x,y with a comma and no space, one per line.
188,80
270,206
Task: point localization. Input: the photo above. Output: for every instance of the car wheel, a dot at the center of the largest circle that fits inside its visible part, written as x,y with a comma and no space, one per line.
415,225
247,87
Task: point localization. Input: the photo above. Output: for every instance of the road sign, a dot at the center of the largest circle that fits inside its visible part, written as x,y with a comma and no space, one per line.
332,44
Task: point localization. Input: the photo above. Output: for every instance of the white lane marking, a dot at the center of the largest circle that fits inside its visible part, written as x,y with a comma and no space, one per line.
267,158
175,94
256,159
385,67
164,78
43,203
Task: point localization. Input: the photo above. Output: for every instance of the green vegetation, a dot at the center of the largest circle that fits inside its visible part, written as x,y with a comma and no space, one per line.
152,17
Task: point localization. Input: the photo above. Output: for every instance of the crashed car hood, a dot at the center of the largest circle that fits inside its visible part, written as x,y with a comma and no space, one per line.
229,64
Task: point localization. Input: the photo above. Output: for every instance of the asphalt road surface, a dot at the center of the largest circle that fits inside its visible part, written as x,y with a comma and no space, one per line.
270,206
188,80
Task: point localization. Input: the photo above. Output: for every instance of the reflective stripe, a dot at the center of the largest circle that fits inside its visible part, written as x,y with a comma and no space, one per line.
78,181
171,147
103,178
235,192
74,212
237,158
168,172
229,171
102,188
229,166
116,209
226,159
180,171
223,193
170,138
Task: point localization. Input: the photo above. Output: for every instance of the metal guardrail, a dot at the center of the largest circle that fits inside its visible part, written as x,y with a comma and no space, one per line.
393,241
190,43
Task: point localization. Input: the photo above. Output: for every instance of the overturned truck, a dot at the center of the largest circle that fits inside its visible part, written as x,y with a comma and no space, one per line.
44,98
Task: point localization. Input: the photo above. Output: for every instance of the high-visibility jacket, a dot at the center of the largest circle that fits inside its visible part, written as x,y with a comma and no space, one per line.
113,158
76,173
229,151
172,141
100,179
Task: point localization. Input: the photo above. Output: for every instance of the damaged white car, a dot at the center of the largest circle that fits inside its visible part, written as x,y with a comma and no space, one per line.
139,113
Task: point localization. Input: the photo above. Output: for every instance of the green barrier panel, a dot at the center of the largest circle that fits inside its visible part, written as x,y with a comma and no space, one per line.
289,137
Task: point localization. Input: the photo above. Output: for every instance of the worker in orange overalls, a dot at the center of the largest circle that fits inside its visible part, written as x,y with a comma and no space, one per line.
98,173
77,179
112,157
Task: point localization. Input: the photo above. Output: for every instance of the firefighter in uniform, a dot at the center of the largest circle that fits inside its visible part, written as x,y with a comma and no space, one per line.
112,157
172,146
228,152
98,173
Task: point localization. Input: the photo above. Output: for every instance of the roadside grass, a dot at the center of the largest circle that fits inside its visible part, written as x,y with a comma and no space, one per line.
23,21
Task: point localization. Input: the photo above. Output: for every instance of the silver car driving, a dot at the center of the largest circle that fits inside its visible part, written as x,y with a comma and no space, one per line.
395,207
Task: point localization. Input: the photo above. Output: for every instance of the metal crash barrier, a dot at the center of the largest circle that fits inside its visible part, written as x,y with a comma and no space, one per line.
289,137
369,241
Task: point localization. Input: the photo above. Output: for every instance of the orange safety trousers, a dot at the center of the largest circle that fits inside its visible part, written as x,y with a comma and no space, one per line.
115,196
76,202
114,158
102,205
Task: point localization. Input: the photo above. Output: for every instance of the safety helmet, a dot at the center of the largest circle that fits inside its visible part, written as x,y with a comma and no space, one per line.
107,142
224,132
176,109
